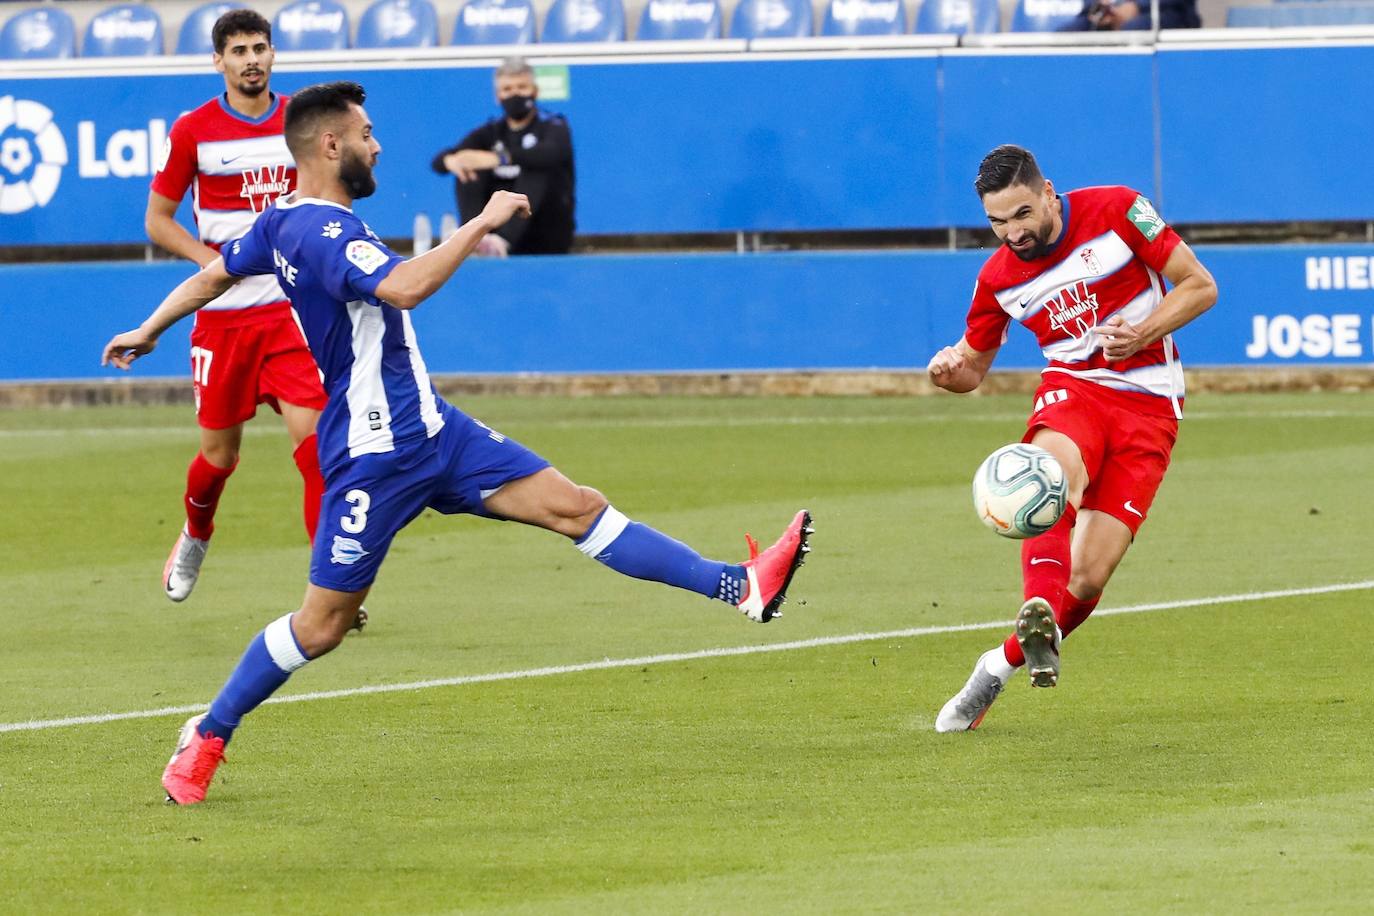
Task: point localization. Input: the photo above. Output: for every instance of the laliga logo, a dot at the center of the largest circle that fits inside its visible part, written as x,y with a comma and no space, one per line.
32,153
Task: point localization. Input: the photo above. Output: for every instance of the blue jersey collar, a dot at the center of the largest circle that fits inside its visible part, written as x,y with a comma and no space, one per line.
234,113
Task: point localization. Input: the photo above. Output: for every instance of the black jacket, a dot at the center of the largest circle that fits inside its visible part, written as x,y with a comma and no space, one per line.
539,164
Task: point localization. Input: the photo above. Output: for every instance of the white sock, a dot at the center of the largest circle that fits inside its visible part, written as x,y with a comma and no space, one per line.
995,663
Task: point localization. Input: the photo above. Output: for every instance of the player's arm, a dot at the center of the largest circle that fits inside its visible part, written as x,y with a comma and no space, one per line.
195,291
960,368
160,222
415,280
1194,292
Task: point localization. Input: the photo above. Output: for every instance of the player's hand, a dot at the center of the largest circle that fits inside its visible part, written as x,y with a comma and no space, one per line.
1120,339
502,206
945,365
124,348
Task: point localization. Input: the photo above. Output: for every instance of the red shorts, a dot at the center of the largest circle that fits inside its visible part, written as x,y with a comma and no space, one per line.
241,358
1125,450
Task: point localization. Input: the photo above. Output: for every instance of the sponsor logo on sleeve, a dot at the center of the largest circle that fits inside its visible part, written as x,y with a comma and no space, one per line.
365,256
1143,215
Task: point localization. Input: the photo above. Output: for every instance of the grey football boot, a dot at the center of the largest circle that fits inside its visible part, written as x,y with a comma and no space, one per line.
965,710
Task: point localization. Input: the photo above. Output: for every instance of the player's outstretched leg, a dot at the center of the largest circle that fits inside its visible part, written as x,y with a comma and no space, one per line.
757,587
966,709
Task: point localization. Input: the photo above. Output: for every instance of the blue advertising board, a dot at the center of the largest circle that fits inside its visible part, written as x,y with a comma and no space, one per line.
717,143
660,148
1279,305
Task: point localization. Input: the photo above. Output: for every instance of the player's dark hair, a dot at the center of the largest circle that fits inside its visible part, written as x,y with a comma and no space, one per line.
1006,166
239,22
313,105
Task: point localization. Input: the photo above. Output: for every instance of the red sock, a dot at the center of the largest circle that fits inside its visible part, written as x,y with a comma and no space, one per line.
1045,565
204,484
307,457
1074,612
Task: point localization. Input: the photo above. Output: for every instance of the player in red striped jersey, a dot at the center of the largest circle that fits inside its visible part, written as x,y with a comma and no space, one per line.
1082,271
246,348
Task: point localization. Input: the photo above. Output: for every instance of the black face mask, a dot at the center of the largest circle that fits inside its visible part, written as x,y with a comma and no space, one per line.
518,107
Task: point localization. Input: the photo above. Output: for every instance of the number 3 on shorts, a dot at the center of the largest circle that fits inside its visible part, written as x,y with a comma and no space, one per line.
356,520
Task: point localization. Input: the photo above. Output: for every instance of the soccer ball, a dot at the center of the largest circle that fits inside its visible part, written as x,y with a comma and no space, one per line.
1020,491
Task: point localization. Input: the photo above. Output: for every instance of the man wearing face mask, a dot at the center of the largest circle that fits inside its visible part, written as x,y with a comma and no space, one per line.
526,151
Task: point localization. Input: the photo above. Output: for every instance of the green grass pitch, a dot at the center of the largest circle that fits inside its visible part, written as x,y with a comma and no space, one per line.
1205,758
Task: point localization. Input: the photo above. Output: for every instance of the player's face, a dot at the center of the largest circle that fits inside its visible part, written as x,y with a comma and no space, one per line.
246,63
518,84
1023,218
358,155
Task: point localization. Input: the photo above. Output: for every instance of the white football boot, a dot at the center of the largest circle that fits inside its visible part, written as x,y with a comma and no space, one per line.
183,566
965,710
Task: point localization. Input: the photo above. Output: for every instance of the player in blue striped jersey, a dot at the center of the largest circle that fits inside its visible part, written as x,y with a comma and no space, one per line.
390,447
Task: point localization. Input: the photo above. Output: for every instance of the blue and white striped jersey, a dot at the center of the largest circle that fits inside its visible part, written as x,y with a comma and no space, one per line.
329,264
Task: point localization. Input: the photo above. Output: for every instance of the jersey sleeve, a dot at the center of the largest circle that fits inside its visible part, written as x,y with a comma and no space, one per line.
250,254
354,262
1143,229
987,322
177,163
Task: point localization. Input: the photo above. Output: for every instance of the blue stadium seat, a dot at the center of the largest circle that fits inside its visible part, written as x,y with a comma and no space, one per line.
1043,15
679,20
864,17
123,31
398,24
958,17
494,22
46,32
194,36
310,25
772,19
1300,13
585,20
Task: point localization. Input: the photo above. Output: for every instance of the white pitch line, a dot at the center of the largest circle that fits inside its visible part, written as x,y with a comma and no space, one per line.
693,423
725,652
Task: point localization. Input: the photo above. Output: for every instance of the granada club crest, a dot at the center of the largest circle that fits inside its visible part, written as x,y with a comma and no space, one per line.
1090,262
1073,310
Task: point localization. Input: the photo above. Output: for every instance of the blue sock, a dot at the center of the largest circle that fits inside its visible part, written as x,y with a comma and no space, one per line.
266,664
637,550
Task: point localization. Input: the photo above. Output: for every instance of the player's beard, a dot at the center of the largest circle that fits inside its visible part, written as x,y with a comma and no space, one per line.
1042,243
253,89
356,175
